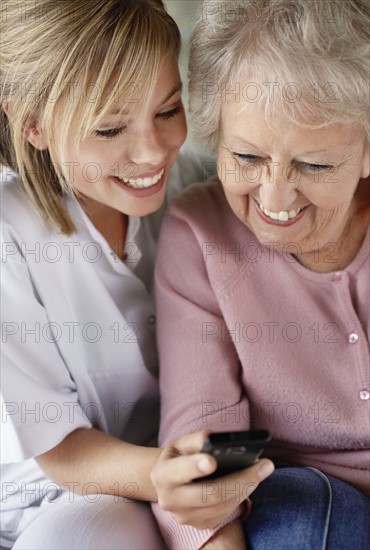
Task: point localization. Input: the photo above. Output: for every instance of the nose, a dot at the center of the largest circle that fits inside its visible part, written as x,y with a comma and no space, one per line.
149,148
278,187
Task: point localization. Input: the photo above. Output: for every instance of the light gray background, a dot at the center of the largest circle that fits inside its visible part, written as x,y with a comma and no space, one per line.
184,13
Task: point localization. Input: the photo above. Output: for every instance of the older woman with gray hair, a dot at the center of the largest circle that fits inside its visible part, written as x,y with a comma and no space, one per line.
263,278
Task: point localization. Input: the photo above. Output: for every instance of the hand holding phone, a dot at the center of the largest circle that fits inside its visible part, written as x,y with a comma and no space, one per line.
235,450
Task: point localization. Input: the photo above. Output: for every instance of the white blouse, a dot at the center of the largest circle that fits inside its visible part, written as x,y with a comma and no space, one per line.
78,335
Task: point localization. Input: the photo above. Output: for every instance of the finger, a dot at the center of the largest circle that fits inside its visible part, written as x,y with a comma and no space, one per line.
181,470
187,445
261,470
247,480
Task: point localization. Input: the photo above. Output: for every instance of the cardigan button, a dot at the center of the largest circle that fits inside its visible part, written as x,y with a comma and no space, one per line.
364,395
336,277
353,338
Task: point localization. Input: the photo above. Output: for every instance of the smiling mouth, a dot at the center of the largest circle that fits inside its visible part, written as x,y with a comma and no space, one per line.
141,183
282,216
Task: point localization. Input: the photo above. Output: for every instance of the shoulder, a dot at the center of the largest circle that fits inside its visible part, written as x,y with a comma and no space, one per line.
201,232
189,168
203,207
13,197
17,209
198,195
195,211
20,219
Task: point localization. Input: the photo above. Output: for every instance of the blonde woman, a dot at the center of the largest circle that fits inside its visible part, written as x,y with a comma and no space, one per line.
91,126
263,318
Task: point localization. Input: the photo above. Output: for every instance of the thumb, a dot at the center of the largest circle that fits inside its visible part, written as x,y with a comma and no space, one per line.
186,445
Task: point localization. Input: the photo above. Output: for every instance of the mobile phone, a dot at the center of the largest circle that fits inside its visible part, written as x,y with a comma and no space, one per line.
235,450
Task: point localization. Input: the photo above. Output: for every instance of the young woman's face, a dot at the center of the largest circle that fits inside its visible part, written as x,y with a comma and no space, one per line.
292,187
125,165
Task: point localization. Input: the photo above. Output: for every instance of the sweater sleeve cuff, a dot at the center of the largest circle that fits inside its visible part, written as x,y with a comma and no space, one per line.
181,537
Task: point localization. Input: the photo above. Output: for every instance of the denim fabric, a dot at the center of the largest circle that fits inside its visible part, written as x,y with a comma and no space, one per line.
304,509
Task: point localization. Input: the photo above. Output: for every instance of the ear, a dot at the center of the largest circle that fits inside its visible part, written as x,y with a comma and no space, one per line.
32,132
5,107
36,137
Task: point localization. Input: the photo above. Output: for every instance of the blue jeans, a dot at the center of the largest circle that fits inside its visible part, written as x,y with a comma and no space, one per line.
304,509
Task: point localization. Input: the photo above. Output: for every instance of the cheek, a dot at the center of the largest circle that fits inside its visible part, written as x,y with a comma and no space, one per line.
87,168
238,204
179,135
173,132
228,173
237,179
86,156
329,190
337,196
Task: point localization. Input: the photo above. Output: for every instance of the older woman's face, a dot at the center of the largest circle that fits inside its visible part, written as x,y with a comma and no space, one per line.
293,187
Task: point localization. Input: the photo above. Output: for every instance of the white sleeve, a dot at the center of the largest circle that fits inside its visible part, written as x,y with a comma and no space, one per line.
39,401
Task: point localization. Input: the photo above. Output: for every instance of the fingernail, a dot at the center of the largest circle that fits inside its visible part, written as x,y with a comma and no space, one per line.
266,468
204,465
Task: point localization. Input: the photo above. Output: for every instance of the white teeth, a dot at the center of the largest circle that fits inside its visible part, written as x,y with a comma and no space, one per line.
282,216
294,213
143,183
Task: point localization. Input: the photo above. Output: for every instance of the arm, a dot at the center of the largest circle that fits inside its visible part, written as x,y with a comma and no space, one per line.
35,375
109,465
199,377
199,366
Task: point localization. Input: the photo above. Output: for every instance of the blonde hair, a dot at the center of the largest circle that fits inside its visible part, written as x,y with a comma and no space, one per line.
67,64
309,58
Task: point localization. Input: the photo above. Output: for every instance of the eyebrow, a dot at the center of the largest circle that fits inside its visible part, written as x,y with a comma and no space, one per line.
245,142
177,88
259,149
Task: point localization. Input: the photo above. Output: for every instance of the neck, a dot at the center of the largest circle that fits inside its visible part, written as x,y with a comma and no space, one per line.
111,223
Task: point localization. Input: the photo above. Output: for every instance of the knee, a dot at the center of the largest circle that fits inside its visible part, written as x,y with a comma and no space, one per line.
302,482
60,525
302,492
109,523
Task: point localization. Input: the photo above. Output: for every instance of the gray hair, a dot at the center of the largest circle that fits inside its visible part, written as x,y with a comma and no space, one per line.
309,58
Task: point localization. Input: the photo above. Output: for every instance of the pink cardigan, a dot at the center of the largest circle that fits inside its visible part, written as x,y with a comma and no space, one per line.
249,338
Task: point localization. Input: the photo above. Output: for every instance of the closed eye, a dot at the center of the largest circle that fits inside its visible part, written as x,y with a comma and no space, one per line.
304,165
315,167
110,133
248,158
113,132
172,113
